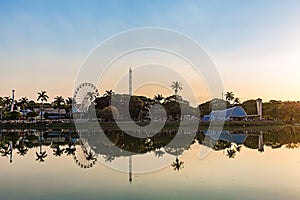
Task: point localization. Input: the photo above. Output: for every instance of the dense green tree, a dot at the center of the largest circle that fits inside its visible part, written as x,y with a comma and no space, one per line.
250,107
31,105
271,109
69,103
6,101
290,110
173,110
31,114
108,113
214,104
101,103
135,108
23,103
1,102
12,115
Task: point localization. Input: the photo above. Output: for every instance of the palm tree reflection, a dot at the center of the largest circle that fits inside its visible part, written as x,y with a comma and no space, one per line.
22,150
91,157
70,150
232,150
159,153
177,164
293,145
238,148
108,158
41,155
5,150
231,153
58,151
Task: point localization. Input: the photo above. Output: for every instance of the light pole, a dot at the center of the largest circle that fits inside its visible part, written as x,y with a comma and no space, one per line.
1,112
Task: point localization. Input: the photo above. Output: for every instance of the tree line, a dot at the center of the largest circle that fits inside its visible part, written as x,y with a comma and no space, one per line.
112,105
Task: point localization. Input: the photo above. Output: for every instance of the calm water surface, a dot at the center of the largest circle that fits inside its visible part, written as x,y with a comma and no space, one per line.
243,165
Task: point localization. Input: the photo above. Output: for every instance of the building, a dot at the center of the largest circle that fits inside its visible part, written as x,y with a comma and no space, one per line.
226,136
52,113
229,114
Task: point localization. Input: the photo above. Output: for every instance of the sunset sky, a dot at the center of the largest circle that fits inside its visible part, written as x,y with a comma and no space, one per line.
254,44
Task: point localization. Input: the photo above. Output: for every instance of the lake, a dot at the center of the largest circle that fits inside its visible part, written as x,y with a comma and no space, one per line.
111,164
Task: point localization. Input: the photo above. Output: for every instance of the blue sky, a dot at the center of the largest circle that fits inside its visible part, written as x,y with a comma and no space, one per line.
255,44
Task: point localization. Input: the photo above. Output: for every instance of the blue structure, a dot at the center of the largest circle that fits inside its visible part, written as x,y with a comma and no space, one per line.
228,114
226,136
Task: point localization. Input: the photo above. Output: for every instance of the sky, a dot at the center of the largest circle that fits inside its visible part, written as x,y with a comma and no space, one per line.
255,45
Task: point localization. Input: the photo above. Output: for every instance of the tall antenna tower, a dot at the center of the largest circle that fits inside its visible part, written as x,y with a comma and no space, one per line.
130,169
130,157
13,101
130,82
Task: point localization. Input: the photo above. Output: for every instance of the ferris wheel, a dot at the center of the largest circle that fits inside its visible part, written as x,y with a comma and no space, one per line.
84,95
84,156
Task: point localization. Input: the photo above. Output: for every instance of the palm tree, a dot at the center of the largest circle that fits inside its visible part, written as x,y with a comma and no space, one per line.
1,107
158,98
69,103
23,102
7,102
237,100
58,100
91,96
43,97
177,165
91,157
176,86
229,96
238,148
109,94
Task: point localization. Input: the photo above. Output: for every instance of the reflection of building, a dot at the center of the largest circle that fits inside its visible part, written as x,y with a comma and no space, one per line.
234,113
226,136
260,142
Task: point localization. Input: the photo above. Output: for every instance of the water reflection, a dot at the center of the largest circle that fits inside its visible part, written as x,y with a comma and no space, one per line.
86,152
177,164
41,155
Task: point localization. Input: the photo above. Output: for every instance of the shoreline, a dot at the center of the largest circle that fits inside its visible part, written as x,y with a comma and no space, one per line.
168,125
